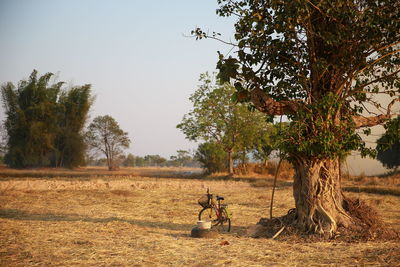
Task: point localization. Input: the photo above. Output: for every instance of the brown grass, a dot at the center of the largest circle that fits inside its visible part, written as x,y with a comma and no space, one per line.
77,219
269,169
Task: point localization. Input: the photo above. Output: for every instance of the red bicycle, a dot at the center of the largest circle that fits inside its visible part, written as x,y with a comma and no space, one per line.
217,213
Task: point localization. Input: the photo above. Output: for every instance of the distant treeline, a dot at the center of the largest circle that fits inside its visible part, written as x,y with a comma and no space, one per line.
182,159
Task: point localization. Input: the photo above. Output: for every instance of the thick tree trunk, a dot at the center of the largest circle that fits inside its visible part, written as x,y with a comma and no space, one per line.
318,196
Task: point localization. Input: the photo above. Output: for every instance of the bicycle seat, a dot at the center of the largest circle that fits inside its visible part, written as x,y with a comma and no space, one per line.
220,198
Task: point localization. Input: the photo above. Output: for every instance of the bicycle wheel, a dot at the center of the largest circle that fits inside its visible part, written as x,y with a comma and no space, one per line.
225,221
222,224
209,215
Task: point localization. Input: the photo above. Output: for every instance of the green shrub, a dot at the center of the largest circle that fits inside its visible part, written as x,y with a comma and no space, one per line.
212,157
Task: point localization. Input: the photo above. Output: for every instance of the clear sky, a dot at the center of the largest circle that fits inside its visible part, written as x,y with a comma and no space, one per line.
134,53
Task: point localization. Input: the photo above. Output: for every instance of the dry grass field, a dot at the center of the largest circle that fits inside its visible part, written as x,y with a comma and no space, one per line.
143,217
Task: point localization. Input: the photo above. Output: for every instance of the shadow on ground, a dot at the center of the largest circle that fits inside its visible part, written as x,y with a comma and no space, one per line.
373,190
25,216
16,214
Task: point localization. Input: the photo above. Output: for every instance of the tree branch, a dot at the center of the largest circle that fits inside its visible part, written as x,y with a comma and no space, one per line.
378,59
374,81
267,105
361,121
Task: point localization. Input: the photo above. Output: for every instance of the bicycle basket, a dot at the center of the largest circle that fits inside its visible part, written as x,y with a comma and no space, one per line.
205,201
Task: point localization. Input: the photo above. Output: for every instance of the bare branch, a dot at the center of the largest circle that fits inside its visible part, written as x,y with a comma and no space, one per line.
378,59
206,36
376,80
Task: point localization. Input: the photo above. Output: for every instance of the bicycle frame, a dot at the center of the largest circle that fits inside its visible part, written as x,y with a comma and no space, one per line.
217,209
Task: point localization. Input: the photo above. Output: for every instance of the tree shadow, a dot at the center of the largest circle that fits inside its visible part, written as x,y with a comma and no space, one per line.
373,190
50,217
16,214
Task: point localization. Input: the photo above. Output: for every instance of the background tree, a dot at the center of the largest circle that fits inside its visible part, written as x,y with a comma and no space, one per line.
154,160
183,158
266,141
389,145
321,63
139,161
216,119
212,157
105,135
129,161
38,116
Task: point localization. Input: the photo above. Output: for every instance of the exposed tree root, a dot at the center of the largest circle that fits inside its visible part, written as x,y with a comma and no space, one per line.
365,225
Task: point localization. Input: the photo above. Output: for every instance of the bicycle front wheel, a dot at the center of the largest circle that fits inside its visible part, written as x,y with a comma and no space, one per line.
223,223
208,215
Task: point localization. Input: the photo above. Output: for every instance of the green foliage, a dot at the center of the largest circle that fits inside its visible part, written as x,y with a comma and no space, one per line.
105,136
390,158
70,144
216,118
317,133
328,57
44,122
212,157
267,140
389,145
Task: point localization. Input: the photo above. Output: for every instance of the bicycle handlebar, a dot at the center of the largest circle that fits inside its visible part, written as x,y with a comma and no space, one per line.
219,198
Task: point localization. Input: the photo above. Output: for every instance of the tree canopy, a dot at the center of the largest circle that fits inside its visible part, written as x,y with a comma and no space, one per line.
44,122
105,135
315,57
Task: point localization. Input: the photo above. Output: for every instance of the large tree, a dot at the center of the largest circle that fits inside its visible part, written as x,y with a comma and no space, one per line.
105,135
44,122
215,118
322,63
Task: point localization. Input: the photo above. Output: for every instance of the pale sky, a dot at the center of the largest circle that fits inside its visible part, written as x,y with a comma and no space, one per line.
134,53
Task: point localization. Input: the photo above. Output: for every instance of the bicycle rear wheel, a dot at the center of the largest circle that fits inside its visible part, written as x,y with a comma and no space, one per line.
225,221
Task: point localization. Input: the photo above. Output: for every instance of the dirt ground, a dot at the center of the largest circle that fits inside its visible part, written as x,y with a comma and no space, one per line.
53,218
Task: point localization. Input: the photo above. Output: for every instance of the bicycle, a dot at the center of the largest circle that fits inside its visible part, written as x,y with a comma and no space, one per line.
217,213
